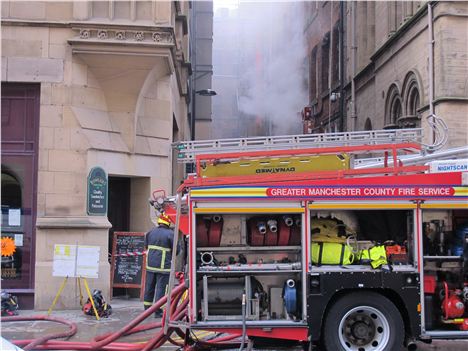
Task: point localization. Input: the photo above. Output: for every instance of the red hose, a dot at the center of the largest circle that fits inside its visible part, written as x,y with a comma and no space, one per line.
147,326
106,342
34,342
94,345
159,339
99,344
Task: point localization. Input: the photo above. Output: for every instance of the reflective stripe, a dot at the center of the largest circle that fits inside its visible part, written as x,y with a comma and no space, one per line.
155,247
146,303
152,269
163,259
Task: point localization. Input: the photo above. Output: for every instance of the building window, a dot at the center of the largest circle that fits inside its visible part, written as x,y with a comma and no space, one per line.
313,75
368,124
335,54
11,219
325,61
411,98
393,108
412,104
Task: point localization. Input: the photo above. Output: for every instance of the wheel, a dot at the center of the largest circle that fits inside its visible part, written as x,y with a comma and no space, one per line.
363,321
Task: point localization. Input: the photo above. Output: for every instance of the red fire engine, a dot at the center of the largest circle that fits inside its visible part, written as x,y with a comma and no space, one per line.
307,238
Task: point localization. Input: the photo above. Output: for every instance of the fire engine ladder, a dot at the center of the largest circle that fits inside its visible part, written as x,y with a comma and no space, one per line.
392,143
188,150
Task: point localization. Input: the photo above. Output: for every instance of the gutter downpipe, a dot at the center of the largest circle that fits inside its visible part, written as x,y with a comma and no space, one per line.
437,124
431,68
353,67
330,60
341,68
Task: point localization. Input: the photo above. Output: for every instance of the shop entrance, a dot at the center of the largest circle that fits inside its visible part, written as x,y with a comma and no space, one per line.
20,129
118,213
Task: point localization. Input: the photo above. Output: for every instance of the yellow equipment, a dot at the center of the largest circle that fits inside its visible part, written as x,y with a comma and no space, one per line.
274,165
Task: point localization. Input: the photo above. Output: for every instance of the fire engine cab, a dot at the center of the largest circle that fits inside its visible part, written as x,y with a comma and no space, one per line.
357,240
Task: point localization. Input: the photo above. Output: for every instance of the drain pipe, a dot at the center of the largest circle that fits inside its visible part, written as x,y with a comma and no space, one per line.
330,60
343,126
431,67
353,67
437,124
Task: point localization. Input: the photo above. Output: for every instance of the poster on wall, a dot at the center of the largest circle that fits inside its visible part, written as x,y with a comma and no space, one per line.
97,192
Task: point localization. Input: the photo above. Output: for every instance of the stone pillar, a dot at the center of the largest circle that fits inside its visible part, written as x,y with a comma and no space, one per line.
391,12
370,28
361,24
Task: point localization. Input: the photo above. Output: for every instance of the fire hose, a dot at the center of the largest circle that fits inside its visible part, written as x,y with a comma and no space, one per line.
106,342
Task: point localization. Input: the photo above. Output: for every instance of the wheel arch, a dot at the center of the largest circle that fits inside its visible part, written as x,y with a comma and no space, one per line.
388,293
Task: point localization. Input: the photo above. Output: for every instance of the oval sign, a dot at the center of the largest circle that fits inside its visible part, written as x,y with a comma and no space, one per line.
97,192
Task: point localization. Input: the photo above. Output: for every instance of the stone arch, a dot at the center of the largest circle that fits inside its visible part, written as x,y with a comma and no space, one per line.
413,78
393,107
412,100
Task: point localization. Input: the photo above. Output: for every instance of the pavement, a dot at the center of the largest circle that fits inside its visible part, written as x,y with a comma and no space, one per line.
125,310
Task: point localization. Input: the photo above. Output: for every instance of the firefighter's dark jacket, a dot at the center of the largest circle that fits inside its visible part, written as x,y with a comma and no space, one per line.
159,243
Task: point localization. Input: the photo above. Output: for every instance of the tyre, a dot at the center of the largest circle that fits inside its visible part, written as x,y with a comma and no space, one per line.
363,321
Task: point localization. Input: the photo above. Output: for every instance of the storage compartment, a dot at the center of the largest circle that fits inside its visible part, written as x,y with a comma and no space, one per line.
445,249
268,297
259,255
370,238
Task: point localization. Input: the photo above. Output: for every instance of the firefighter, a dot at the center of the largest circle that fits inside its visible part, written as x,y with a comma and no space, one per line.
158,244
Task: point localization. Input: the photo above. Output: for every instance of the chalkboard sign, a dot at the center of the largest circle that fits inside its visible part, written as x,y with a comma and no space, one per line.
97,192
128,260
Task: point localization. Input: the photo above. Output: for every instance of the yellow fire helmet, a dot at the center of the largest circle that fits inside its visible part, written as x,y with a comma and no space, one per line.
164,219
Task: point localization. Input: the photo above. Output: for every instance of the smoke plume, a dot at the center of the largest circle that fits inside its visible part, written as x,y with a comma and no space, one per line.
273,89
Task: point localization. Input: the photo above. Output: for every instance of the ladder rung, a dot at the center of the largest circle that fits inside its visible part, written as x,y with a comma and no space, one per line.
187,150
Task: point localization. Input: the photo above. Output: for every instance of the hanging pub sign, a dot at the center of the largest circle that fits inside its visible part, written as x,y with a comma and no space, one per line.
97,192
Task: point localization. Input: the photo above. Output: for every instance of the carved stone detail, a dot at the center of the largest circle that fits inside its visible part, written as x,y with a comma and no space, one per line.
157,37
162,37
84,34
120,35
139,36
102,34
130,35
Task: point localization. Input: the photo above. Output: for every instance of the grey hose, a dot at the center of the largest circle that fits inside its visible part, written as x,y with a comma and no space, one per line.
243,324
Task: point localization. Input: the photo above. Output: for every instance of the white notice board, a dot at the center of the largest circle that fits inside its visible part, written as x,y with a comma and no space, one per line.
64,261
87,261
76,261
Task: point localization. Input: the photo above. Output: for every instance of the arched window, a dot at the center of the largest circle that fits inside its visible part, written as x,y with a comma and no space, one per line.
393,108
412,103
411,94
368,124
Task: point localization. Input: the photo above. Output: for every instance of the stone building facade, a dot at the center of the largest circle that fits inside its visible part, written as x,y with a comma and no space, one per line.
370,66
86,84
201,59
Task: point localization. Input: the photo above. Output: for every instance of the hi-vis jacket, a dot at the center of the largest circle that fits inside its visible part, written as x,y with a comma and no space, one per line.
159,242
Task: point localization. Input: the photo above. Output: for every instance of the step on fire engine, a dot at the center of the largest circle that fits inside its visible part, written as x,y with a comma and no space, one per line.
345,238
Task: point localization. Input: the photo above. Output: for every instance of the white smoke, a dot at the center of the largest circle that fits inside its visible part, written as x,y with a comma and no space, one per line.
274,74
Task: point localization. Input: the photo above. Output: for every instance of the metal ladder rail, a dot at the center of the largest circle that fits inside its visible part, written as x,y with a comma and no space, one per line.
188,150
418,159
